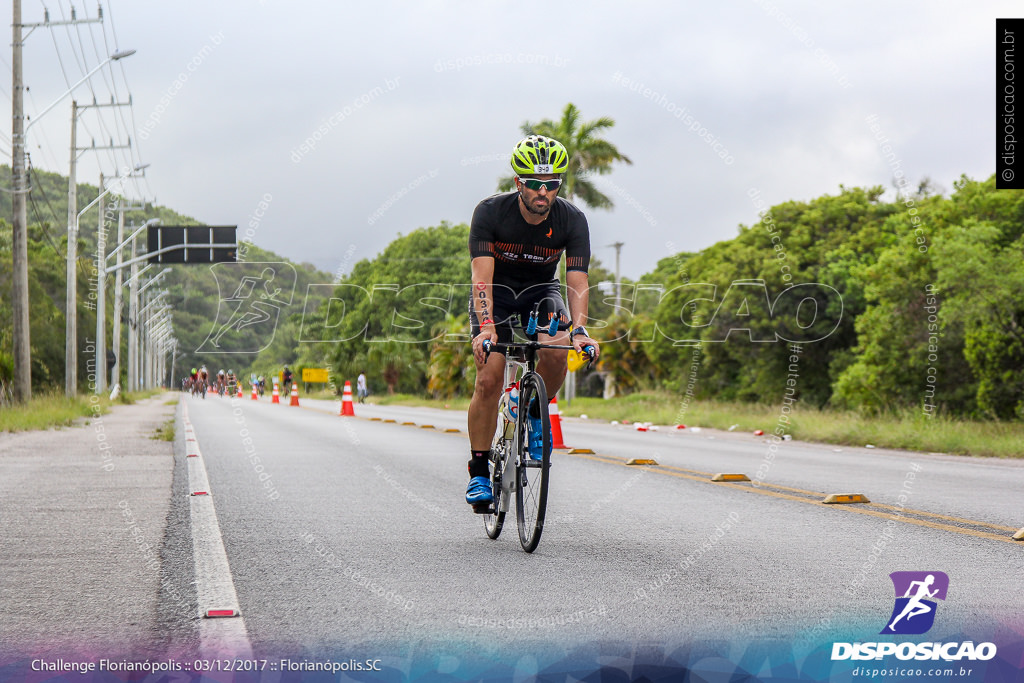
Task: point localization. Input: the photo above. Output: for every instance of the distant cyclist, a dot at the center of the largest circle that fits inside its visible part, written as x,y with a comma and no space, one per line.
516,240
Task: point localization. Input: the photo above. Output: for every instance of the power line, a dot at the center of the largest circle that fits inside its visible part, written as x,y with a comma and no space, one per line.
39,219
42,133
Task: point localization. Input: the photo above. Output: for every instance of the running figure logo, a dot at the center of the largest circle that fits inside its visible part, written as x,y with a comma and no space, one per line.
914,612
247,317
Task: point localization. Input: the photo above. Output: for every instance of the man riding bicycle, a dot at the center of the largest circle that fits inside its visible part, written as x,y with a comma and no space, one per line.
516,240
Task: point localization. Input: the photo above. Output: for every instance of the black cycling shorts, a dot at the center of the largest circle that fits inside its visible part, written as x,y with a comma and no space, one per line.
512,310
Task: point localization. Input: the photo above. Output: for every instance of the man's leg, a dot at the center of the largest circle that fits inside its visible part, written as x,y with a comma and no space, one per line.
483,407
483,418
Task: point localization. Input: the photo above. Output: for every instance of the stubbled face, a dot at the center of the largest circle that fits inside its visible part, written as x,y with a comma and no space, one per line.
537,201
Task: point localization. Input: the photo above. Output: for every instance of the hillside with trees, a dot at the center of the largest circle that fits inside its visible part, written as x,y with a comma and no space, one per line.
910,302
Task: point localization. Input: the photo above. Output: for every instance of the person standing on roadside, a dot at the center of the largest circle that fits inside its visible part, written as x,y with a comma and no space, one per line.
361,389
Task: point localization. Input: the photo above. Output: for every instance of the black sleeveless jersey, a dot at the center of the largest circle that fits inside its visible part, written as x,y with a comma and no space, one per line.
525,254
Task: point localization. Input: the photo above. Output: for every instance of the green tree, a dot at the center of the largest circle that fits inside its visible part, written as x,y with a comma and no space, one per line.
981,287
382,316
451,370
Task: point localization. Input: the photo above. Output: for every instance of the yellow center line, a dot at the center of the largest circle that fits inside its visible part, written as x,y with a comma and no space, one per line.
808,497
704,477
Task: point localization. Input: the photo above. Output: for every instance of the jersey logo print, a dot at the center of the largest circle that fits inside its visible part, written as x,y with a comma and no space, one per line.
549,232
511,252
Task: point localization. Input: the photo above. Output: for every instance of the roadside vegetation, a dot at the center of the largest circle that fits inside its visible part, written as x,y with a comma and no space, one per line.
47,411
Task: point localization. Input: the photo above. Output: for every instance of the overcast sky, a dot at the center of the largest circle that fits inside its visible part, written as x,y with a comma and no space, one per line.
353,122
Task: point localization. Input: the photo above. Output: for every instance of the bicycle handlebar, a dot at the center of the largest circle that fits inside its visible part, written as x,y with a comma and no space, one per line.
489,347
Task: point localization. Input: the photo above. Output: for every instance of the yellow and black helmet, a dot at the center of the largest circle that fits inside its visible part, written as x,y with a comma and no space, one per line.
536,154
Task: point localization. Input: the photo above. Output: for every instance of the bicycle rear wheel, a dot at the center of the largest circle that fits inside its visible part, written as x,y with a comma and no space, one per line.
532,475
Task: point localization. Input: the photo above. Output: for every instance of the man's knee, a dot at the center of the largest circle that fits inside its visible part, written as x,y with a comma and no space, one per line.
488,383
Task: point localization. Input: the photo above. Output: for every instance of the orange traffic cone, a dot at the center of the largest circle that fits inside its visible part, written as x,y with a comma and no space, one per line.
254,397
239,390
295,394
275,397
556,424
347,409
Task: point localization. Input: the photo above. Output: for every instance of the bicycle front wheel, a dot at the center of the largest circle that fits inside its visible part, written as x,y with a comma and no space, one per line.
532,474
494,521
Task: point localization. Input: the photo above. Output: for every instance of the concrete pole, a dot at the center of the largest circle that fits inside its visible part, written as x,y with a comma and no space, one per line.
19,243
71,297
115,340
618,283
101,302
133,324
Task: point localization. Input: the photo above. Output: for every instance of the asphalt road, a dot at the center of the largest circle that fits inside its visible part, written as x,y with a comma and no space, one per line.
347,536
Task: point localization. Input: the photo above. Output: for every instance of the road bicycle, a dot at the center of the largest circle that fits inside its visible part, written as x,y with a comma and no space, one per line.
511,464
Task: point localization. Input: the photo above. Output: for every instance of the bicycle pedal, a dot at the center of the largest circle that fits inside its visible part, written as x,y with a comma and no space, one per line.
483,509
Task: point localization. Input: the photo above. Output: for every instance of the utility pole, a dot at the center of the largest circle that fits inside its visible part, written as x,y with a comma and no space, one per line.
19,244
101,308
71,337
115,375
71,296
618,283
115,337
133,322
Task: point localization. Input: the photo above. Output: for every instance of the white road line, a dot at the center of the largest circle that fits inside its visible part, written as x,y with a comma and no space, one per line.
214,585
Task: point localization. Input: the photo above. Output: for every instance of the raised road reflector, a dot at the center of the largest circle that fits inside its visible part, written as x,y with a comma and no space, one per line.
1019,536
641,461
392,421
409,424
426,426
192,455
452,431
845,498
580,451
723,476
218,613
374,419
200,493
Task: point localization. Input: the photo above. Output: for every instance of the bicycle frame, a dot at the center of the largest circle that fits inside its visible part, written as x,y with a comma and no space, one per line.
511,461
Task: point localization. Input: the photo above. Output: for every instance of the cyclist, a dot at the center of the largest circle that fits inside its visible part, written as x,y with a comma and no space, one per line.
516,240
286,379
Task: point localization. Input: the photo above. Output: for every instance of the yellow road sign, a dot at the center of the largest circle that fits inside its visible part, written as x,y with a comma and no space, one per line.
313,375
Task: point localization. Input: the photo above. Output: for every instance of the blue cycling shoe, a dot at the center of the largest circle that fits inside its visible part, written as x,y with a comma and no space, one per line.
536,443
479,491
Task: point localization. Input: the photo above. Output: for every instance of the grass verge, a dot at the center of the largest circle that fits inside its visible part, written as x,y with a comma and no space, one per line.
166,431
46,411
907,430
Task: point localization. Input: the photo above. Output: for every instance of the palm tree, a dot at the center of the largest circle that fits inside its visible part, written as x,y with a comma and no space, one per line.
588,154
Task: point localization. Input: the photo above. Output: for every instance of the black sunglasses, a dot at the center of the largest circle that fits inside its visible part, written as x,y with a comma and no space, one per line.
534,184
